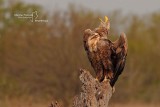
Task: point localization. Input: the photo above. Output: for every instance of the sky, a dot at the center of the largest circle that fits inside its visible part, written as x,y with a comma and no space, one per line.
104,6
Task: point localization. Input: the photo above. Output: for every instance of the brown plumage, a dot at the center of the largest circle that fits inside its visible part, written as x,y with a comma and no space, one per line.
119,54
99,53
107,58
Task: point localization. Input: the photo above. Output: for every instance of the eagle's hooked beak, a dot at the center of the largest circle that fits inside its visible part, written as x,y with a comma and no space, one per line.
105,18
105,24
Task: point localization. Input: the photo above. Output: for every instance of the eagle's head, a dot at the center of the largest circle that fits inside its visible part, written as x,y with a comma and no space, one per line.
104,25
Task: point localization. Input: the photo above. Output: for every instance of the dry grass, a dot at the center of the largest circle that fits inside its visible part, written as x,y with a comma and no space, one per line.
134,105
23,103
31,103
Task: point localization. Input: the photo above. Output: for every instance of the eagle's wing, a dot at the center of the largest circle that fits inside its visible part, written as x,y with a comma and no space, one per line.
120,48
93,56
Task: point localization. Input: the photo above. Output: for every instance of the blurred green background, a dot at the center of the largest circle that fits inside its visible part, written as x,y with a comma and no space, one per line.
40,61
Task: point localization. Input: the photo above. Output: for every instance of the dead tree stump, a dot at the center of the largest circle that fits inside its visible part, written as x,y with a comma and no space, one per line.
93,94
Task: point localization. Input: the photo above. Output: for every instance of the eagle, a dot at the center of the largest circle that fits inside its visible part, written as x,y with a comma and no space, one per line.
106,57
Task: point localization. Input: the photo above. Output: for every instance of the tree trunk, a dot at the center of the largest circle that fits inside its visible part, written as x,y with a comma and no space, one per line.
93,94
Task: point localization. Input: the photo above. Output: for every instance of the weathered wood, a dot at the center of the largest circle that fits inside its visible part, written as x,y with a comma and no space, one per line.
93,94
54,104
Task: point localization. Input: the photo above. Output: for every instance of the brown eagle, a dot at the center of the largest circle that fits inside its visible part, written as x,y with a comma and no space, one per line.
107,58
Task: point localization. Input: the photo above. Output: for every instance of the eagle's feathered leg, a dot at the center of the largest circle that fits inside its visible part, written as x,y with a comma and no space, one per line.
99,75
110,74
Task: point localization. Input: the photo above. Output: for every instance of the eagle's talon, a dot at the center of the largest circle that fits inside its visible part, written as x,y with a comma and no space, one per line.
106,79
96,79
113,89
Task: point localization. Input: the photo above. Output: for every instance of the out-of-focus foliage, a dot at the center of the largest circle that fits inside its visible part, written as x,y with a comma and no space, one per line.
42,59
